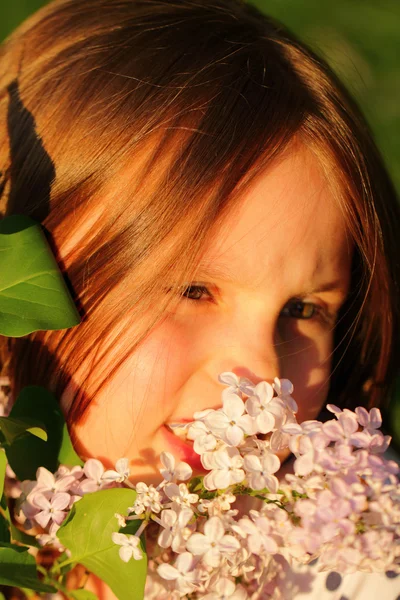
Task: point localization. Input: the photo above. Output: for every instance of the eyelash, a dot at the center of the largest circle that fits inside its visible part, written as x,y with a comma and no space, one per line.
315,311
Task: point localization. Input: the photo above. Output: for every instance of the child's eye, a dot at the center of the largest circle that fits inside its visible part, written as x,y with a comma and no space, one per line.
298,309
195,292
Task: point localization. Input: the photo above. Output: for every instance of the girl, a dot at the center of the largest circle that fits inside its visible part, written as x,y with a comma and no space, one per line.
217,204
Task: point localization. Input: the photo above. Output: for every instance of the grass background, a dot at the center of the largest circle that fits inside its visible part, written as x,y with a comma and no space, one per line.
361,41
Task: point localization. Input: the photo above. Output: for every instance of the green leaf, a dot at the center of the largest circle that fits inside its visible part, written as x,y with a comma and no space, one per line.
4,530
3,465
23,538
28,453
28,593
16,534
67,454
33,293
82,595
87,535
18,569
12,429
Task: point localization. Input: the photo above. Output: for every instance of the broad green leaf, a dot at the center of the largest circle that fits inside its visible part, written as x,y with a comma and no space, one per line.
33,293
28,453
87,535
67,454
23,538
12,429
4,530
82,595
16,534
3,465
18,569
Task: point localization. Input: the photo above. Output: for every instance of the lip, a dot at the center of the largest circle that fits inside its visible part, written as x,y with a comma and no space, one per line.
183,449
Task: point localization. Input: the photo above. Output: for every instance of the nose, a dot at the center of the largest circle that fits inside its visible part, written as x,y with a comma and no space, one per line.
245,346
242,341
255,359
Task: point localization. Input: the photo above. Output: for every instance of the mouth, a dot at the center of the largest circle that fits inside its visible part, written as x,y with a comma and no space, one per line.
181,447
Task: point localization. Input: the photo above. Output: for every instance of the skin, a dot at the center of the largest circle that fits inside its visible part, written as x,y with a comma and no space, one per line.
284,243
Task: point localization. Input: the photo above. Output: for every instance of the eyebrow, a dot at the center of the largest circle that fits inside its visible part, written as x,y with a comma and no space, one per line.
224,273
217,272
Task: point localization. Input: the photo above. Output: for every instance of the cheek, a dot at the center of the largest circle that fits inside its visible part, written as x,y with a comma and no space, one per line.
128,411
306,361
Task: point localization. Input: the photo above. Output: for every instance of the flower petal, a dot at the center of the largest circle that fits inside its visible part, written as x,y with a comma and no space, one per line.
119,538
168,572
45,478
265,421
122,466
252,463
234,435
40,501
214,529
233,406
60,501
168,460
183,471
228,378
43,518
93,469
198,544
125,553
184,562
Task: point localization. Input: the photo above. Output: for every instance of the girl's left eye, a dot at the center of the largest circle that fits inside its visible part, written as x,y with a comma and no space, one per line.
298,309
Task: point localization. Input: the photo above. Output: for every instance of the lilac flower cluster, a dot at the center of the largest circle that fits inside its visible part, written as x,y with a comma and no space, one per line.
46,501
229,533
342,503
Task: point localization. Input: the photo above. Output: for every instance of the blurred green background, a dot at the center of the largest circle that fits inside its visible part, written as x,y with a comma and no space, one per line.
361,41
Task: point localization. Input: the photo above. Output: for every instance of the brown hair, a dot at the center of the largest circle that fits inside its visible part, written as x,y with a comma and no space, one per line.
168,109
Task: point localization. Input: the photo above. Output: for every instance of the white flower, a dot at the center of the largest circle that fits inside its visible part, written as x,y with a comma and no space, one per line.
203,439
225,589
259,534
60,482
172,471
259,471
93,470
181,573
120,474
258,407
148,497
121,519
226,468
180,494
342,429
218,505
212,543
284,389
237,384
50,538
371,420
52,509
129,546
231,422
156,589
174,532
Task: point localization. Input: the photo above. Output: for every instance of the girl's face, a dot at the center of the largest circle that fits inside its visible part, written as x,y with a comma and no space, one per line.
264,304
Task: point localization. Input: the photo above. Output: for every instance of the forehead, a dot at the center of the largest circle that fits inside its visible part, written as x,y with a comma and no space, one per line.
289,217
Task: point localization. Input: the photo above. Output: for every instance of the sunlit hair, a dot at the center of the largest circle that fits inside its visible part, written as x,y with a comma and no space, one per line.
166,111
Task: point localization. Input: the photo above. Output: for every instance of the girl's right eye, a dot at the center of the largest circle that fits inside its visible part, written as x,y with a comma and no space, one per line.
195,292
